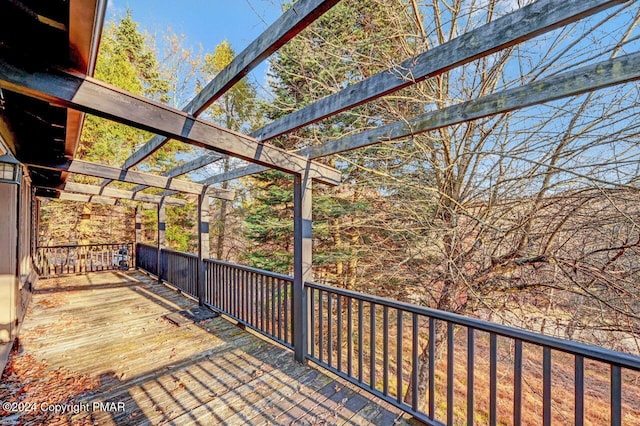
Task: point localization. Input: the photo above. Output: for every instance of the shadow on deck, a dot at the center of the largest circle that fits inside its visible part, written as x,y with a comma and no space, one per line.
109,328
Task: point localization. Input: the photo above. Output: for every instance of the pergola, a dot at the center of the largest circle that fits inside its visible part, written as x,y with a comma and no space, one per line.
60,89
72,91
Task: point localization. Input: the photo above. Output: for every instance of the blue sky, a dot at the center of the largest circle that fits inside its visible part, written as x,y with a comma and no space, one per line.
204,22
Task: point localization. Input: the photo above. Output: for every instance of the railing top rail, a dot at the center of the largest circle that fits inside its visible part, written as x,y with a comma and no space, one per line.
575,348
179,253
147,245
250,269
85,245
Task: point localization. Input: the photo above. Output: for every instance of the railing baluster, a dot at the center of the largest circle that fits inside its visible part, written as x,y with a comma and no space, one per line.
470,375
286,312
450,371
385,350
372,345
245,291
312,320
616,396
579,391
247,294
320,327
227,289
291,310
255,320
399,354
546,386
432,367
360,341
329,328
222,273
279,300
415,364
256,297
273,306
263,303
493,379
241,295
349,336
517,383
339,345
236,292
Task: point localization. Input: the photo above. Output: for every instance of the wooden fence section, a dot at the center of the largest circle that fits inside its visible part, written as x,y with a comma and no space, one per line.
75,259
147,258
258,299
467,370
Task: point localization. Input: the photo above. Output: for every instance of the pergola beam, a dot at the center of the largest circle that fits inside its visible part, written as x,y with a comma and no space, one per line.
521,25
83,93
109,172
299,16
83,198
190,166
571,83
77,193
82,188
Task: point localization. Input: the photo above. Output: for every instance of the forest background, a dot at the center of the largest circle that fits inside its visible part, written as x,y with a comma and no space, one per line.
528,218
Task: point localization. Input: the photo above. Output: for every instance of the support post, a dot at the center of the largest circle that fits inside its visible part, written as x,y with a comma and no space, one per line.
162,224
302,260
138,235
36,223
203,241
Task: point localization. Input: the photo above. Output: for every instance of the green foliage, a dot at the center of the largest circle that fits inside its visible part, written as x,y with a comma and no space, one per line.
352,230
126,62
269,222
180,233
237,108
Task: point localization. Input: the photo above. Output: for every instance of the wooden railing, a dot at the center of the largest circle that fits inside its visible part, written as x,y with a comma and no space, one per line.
258,299
147,258
385,346
468,371
74,259
180,269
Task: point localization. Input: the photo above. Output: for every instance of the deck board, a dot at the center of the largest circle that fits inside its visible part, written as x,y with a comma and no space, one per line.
110,326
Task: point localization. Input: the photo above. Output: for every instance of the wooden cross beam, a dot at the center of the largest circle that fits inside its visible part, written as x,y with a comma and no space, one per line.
82,188
571,83
91,193
300,15
83,198
190,166
109,172
88,95
521,25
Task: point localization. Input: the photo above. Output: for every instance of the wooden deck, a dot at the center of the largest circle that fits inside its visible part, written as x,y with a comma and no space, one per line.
108,330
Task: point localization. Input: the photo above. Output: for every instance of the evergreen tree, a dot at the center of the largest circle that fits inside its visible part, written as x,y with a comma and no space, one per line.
352,233
237,110
124,61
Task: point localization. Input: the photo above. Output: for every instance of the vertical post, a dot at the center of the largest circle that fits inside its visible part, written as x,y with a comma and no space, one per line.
203,240
35,226
162,224
138,235
302,259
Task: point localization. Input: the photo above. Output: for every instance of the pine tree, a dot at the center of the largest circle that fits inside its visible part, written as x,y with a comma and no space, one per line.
353,235
237,110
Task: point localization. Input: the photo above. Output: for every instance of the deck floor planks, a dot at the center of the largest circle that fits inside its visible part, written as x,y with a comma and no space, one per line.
109,325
